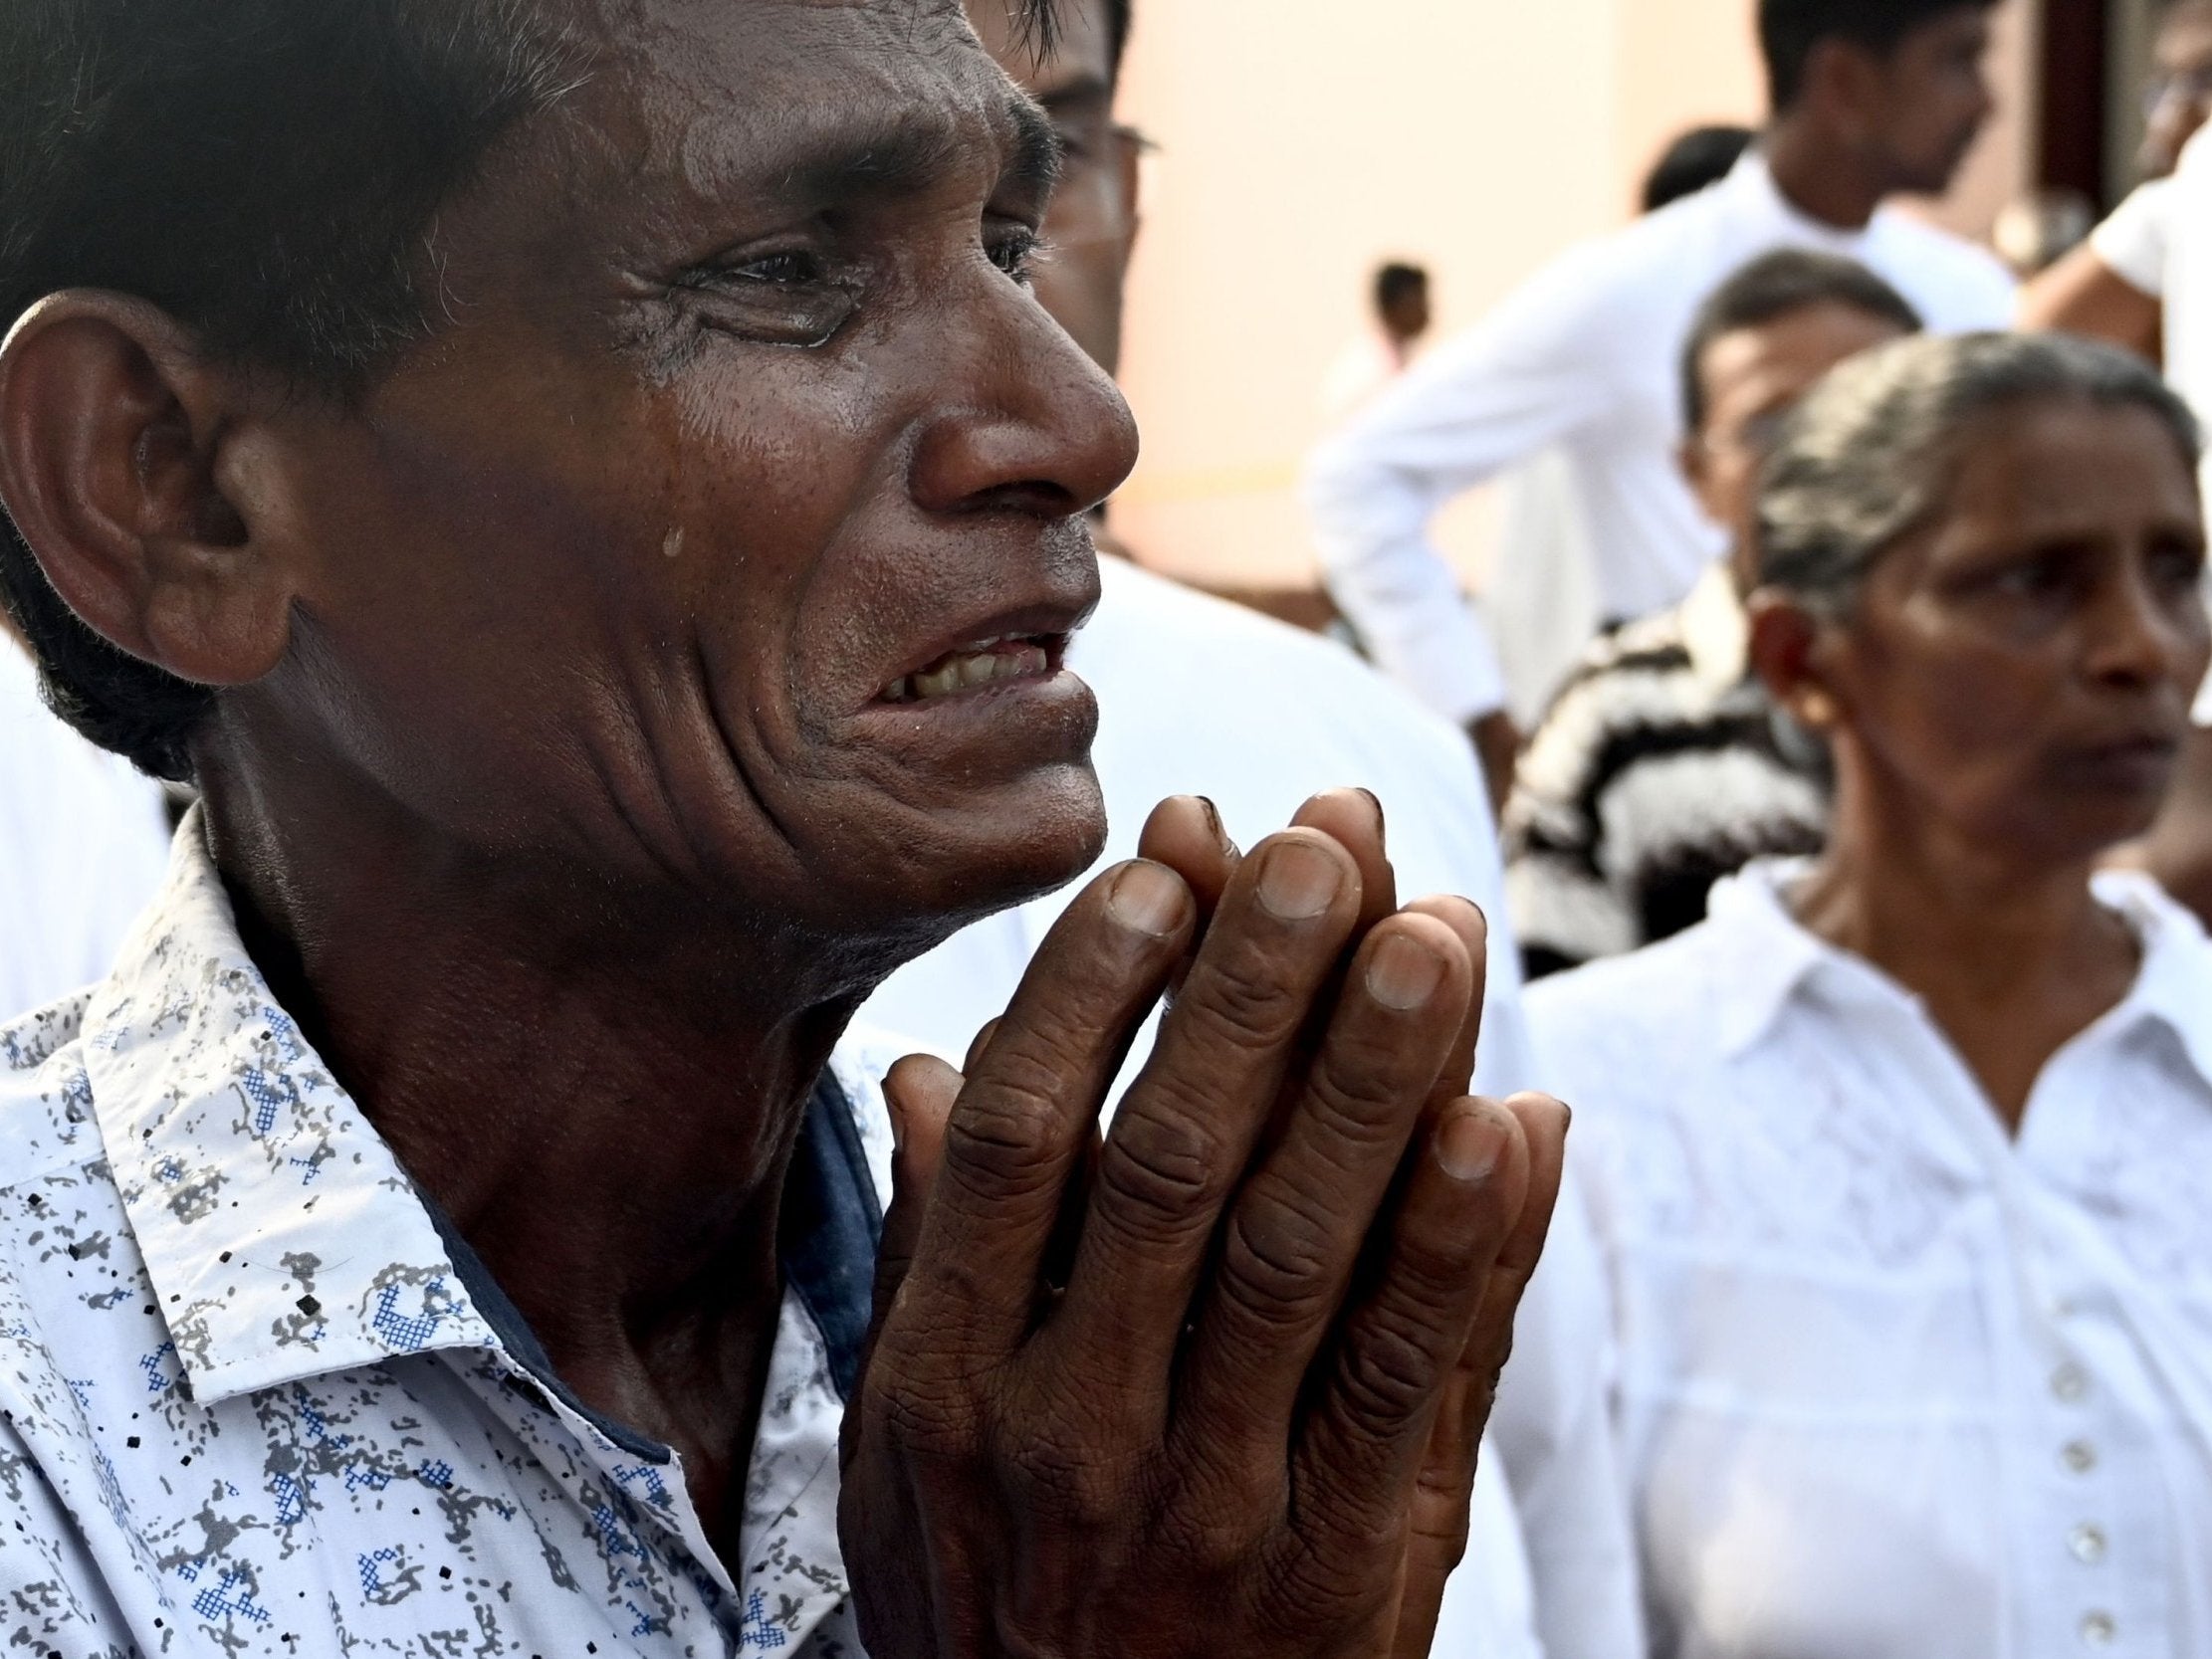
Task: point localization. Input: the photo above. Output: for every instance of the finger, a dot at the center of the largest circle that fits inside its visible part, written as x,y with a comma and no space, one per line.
1354,819
982,1045
1296,1232
1443,1514
1367,1438
1543,1123
1456,1079
1187,835
920,1092
1443,1494
1185,1133
1018,1131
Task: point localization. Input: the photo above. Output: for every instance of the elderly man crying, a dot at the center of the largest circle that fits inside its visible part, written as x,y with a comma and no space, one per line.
586,493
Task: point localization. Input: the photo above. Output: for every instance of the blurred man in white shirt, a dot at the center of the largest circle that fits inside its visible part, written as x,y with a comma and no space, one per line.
1385,348
1871,99
2113,286
1201,696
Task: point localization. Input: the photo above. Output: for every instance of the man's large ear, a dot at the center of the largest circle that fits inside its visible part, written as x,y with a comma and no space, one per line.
116,440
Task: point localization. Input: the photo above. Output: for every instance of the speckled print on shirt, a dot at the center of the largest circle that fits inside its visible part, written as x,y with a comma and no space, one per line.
247,1406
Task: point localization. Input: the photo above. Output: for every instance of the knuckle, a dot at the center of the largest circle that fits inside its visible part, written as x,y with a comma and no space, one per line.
1162,1176
1365,1091
1387,1375
1084,1484
1242,1000
1276,1265
999,1141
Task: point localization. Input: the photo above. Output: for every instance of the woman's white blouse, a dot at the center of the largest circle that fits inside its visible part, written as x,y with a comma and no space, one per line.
1891,1382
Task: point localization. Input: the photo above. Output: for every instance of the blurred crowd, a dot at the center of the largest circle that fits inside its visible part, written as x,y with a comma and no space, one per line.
1847,872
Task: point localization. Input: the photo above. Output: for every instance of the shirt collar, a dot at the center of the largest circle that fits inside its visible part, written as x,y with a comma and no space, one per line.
2174,986
1716,632
280,1235
1771,956
1774,960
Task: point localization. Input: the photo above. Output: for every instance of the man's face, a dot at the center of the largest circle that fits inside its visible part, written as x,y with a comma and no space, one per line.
1408,316
1091,228
1928,101
2180,95
728,536
1752,379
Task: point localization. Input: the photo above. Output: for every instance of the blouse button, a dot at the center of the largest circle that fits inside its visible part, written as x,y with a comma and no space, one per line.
2069,1384
2079,1457
2088,1545
2099,1630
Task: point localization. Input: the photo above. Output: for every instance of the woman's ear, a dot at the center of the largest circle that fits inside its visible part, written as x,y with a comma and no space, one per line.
113,428
1786,655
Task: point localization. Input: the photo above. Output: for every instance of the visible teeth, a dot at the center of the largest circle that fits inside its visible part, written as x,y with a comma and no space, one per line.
994,661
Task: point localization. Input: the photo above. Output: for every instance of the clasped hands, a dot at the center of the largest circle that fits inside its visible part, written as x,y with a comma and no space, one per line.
1214,1384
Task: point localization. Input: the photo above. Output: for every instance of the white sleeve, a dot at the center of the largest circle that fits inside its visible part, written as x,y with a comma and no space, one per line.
1553,1426
2132,242
1523,380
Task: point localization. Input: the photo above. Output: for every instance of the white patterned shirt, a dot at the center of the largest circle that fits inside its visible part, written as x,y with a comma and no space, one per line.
257,1400
1894,1383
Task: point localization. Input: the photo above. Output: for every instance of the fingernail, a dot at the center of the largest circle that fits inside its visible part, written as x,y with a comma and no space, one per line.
898,1130
1299,881
1469,1145
1382,819
1403,973
1213,817
1149,899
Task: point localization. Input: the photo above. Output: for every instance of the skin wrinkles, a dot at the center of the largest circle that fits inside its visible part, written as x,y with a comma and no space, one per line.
2006,703
647,809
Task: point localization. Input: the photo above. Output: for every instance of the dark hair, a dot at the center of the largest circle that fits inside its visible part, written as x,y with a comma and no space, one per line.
266,172
1774,286
1118,24
1397,282
1867,459
1701,156
1789,30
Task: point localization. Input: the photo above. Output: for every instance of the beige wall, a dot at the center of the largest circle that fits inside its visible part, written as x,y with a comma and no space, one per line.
1304,141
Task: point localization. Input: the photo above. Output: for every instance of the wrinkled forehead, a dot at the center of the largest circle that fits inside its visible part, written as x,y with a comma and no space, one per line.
736,95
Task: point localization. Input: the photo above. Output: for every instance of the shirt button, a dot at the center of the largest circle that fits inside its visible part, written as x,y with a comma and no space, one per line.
2079,1457
2069,1384
2088,1545
2099,1630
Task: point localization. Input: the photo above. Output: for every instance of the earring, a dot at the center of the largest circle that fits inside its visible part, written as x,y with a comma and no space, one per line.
1814,711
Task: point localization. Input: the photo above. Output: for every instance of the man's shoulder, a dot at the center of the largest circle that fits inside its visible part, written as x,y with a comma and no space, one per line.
1938,268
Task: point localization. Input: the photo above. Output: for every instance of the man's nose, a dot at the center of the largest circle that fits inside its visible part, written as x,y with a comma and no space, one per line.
1026,419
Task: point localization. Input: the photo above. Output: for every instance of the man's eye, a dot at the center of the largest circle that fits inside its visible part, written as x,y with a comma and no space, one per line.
791,270
1015,252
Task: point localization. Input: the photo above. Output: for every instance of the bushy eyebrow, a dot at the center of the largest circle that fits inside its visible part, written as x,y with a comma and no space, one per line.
910,153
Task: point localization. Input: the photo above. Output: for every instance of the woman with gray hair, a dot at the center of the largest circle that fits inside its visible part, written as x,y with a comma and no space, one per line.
1900,1159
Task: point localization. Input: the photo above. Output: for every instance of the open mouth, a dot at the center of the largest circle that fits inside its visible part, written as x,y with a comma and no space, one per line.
1007,660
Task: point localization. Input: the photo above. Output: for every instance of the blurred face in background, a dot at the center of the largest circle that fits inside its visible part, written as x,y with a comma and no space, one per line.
2179,97
1919,109
1090,230
1408,315
1752,378
2017,673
